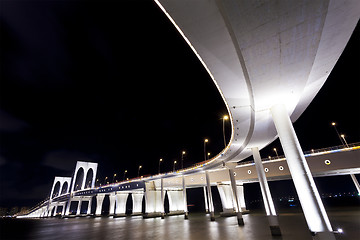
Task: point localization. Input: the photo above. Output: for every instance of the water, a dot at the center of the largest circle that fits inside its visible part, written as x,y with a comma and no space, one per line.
292,223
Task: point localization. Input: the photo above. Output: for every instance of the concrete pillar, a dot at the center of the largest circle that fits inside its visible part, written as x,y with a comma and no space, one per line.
137,202
227,200
265,191
153,206
313,208
121,198
88,212
112,205
99,202
63,210
162,198
176,201
353,177
206,200
234,191
186,212
79,208
210,200
241,197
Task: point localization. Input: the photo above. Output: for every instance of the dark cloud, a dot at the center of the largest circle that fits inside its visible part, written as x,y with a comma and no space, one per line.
9,123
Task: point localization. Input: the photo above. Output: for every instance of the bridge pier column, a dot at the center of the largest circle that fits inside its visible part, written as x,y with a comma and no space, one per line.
99,201
88,211
137,203
79,207
162,198
266,194
241,197
206,200
63,210
313,208
112,204
353,177
153,206
210,200
120,209
240,219
186,216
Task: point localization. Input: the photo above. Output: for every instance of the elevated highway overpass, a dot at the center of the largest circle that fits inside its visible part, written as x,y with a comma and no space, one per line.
268,60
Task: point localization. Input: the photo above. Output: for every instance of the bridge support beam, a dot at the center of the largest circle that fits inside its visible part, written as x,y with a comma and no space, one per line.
99,202
313,208
88,211
137,198
78,211
162,198
353,177
153,202
210,200
240,219
186,212
120,209
206,200
112,204
265,191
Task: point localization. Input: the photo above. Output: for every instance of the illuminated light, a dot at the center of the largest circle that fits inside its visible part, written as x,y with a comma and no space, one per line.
340,230
333,123
249,171
206,140
266,169
226,117
327,162
281,168
183,152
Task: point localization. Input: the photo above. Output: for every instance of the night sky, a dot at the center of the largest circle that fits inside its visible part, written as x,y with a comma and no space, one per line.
113,82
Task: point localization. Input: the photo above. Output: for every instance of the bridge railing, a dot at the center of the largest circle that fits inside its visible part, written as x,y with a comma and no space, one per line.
312,152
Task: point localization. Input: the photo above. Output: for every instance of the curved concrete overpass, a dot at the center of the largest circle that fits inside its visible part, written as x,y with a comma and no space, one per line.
260,54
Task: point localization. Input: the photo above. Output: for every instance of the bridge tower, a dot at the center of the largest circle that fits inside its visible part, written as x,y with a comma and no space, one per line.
84,177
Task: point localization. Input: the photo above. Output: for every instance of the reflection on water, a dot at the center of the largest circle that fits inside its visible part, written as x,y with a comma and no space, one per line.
293,226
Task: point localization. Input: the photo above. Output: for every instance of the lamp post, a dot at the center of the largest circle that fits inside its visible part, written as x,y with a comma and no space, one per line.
113,177
159,164
174,166
208,156
97,180
334,124
124,175
182,159
226,117
205,141
105,180
139,170
343,137
276,152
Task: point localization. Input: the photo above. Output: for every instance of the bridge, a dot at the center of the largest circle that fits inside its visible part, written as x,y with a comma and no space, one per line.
268,60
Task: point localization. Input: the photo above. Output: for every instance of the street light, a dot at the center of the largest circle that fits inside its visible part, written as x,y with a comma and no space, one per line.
159,164
182,159
226,117
124,175
334,124
174,166
205,141
208,155
139,170
105,180
276,152
114,177
343,137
